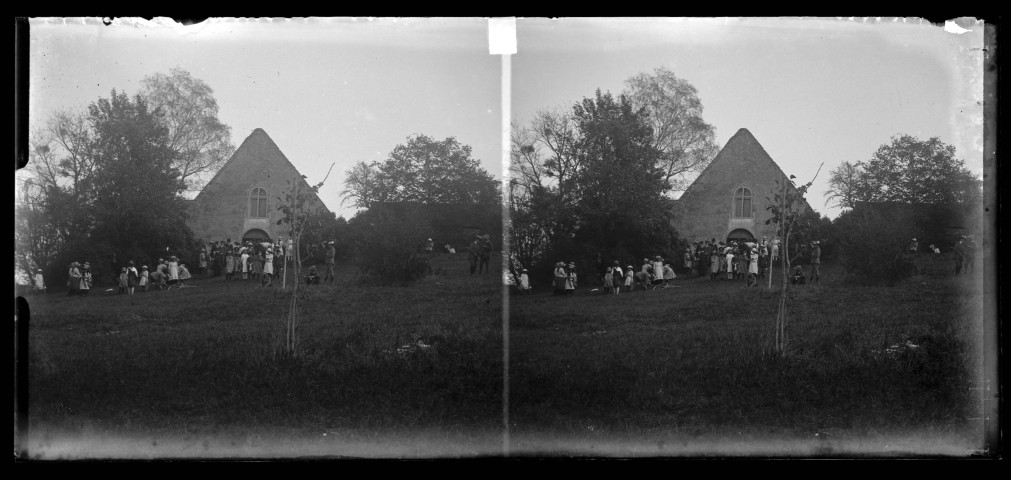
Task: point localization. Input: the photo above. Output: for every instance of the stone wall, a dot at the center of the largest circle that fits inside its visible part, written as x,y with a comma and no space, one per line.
221,210
705,210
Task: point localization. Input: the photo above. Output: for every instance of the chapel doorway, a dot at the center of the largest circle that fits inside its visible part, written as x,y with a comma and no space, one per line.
256,236
740,235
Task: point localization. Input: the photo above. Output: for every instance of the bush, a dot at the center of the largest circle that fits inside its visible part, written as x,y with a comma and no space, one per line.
871,245
388,245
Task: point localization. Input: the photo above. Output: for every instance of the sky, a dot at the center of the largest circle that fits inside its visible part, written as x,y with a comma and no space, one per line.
812,91
326,90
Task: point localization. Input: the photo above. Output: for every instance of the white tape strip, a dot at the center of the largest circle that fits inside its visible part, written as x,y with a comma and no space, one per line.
502,36
952,27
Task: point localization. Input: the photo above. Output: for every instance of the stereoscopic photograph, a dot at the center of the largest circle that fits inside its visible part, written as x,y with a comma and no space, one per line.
262,238
749,237
387,238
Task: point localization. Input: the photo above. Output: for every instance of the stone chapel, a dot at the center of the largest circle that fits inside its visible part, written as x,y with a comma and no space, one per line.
728,199
240,202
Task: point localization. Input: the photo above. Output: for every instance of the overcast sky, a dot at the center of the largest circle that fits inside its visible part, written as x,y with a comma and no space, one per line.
328,90
347,90
810,90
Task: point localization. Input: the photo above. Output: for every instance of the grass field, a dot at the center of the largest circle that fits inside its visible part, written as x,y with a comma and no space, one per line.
687,370
683,371
195,372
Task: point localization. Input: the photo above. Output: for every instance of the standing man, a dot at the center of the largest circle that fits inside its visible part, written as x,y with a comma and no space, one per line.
474,253
485,251
331,252
815,262
959,255
969,251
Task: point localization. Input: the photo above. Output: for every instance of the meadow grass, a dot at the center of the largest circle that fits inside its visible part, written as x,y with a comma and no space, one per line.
689,370
200,371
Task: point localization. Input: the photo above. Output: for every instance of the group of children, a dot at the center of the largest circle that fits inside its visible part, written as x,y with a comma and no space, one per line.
655,273
80,279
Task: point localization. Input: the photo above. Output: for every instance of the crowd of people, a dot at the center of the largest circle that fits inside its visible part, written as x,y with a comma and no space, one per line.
748,261
259,261
233,260
738,259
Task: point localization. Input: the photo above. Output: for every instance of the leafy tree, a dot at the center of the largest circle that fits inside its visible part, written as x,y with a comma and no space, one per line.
620,185
422,171
586,185
137,210
104,182
907,170
388,244
321,226
871,244
685,141
187,108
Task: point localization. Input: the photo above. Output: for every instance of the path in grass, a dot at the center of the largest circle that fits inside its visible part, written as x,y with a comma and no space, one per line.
201,364
664,367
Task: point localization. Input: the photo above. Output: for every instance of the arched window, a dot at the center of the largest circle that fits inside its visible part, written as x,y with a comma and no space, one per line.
742,203
258,203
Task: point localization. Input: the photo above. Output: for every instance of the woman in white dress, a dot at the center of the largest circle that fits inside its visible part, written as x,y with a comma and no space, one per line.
570,279
753,268
40,283
657,270
730,264
245,264
268,267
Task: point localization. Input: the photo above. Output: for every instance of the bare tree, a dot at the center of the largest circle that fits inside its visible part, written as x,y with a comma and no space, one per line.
526,169
186,106
60,152
686,142
557,133
845,183
360,185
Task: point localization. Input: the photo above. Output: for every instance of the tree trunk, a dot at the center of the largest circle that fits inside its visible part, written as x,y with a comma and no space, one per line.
781,316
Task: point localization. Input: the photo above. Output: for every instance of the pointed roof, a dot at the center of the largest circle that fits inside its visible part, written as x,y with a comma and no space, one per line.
258,142
742,141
